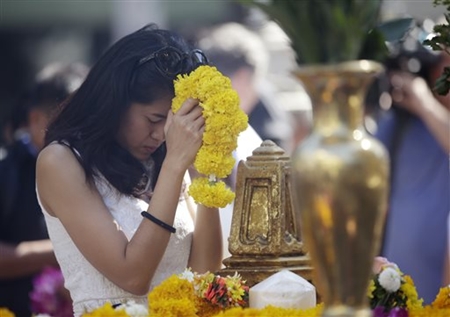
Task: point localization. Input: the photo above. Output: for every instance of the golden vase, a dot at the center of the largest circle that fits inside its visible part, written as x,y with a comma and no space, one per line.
340,186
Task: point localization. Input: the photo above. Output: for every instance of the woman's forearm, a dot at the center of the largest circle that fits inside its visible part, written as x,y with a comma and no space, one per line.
206,250
151,235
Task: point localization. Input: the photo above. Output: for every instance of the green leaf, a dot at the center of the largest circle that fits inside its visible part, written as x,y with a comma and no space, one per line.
374,47
441,39
441,2
323,31
442,85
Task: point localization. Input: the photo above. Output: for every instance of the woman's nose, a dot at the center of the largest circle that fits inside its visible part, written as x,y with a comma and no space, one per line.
157,134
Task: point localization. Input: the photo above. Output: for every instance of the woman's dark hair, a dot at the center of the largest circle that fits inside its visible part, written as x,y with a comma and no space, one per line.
89,121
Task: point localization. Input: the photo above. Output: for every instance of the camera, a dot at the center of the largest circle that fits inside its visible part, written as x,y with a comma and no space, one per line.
408,55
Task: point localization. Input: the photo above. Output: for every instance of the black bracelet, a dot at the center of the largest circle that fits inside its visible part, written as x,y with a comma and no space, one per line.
158,222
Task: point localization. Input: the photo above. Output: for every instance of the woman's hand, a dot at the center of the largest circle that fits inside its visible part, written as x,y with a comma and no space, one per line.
184,133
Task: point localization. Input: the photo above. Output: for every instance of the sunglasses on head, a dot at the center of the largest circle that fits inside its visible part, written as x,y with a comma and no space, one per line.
171,61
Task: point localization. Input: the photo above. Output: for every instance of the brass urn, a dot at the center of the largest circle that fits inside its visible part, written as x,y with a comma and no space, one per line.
265,232
340,186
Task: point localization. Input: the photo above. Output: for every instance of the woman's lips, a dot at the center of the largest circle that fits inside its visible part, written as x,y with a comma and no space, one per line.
150,149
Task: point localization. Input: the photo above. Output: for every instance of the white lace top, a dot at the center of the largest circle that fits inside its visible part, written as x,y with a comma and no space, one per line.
88,288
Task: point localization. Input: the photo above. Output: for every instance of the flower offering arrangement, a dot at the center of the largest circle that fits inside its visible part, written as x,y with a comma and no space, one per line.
391,294
390,289
193,294
224,120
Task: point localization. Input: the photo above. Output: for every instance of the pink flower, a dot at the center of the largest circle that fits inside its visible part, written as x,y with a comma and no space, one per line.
49,295
381,263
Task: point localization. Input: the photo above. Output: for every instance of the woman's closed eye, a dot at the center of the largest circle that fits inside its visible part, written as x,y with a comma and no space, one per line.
155,120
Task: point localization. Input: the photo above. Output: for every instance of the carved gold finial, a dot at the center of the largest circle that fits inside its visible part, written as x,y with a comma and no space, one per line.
265,234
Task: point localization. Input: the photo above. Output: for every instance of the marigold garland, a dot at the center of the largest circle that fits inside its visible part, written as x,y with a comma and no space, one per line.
429,311
106,310
442,298
5,312
409,290
272,311
191,295
224,120
173,297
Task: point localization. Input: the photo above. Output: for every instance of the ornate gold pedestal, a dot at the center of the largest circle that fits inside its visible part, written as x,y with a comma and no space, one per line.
265,236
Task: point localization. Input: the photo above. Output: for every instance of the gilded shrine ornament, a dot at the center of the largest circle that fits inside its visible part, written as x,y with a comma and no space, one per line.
265,236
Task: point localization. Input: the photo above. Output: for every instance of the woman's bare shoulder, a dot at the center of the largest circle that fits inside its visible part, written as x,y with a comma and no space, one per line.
55,151
56,156
56,163
59,173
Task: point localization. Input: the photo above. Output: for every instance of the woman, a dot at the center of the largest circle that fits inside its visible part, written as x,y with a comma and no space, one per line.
115,145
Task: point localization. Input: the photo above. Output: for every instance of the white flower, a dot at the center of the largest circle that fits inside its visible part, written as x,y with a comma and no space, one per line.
390,279
187,275
42,315
135,310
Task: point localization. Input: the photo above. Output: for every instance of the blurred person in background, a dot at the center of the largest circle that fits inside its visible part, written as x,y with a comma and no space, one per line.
416,132
240,54
24,245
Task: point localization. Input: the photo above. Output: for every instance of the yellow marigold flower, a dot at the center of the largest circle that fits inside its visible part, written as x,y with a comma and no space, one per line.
224,120
442,298
409,289
173,297
371,288
215,195
5,312
429,311
210,162
271,311
205,308
170,307
106,310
